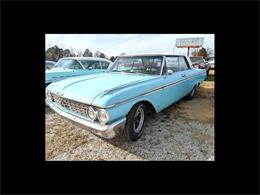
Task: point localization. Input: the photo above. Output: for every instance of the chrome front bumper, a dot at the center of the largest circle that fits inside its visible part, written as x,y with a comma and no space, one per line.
107,131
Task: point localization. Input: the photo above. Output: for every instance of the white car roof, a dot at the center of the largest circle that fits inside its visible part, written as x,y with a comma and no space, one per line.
87,58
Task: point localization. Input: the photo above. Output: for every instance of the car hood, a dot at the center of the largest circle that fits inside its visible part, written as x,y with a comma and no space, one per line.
86,88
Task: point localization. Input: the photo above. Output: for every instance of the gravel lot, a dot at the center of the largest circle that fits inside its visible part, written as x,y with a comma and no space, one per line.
184,131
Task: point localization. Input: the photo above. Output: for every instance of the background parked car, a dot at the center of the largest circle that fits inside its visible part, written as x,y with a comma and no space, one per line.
211,63
201,63
49,64
75,66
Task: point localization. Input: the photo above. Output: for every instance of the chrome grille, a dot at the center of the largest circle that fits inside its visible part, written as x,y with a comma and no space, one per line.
73,106
55,98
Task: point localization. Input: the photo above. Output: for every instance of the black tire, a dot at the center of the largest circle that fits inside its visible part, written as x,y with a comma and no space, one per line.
192,93
129,132
208,72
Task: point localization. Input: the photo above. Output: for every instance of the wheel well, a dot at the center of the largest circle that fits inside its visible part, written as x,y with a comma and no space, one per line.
150,108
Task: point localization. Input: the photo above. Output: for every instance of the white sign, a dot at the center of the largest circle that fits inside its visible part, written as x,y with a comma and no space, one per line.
190,42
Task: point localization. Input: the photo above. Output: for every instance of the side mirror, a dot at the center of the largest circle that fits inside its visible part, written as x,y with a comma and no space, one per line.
90,68
169,72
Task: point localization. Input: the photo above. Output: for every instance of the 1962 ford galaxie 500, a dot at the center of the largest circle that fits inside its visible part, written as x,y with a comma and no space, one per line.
75,66
120,99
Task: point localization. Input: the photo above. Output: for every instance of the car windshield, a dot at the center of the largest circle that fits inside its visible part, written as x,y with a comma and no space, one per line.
142,65
196,59
64,63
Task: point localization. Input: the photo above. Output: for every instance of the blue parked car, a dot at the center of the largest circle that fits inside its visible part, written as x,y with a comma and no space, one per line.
134,86
49,64
75,66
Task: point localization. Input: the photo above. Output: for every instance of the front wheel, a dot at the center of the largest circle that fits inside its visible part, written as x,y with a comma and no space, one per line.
135,122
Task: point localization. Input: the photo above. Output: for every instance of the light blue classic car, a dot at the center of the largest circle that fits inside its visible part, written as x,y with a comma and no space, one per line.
121,98
75,66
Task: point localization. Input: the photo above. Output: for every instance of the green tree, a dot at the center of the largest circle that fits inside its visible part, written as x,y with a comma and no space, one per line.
102,55
54,53
202,52
112,59
66,53
87,53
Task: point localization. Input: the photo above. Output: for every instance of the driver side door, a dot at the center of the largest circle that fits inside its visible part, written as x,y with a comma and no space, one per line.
174,84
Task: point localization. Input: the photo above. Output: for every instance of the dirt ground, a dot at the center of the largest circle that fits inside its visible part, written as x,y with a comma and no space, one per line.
183,131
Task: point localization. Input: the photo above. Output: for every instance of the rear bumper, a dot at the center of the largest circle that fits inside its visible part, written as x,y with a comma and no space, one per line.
107,131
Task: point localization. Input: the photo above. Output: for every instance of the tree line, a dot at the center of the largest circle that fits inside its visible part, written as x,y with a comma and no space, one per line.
204,52
55,53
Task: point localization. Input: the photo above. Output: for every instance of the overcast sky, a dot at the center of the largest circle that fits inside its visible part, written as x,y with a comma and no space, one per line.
115,44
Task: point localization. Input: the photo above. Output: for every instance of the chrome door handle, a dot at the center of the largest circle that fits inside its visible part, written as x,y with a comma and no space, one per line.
183,75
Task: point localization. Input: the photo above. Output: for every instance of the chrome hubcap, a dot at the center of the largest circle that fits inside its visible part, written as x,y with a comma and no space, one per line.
193,90
138,119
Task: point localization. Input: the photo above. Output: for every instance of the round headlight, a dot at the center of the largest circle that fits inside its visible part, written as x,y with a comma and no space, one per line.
103,116
92,114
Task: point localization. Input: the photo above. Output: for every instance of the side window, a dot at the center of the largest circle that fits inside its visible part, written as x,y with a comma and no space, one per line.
75,65
104,65
94,65
183,64
172,64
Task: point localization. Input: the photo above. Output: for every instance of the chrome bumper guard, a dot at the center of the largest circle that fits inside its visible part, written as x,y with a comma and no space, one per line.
107,131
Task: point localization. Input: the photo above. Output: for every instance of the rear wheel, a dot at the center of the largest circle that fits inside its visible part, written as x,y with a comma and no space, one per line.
192,93
135,122
208,72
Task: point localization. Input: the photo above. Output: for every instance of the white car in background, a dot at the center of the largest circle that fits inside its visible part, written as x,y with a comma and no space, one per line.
211,63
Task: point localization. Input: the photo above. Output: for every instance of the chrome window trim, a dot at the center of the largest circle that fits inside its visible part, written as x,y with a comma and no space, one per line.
163,64
79,64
